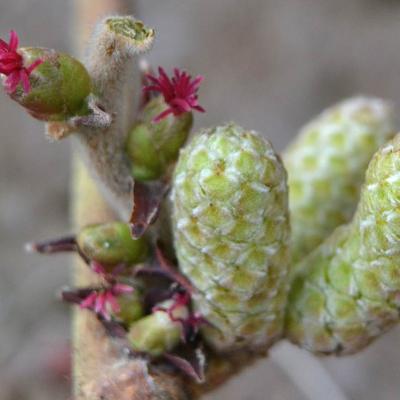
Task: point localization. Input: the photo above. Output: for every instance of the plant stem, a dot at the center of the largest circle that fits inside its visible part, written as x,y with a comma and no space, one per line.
98,370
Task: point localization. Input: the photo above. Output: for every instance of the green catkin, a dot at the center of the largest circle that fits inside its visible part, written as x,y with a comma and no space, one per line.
326,166
231,230
349,290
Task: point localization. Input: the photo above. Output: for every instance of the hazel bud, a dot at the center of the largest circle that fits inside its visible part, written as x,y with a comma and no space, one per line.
158,332
153,146
131,307
59,86
111,244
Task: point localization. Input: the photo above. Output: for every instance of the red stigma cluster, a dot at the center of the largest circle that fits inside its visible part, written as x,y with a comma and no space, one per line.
190,324
104,301
12,65
179,92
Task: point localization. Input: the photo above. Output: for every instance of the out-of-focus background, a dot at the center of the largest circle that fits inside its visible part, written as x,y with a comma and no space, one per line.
270,65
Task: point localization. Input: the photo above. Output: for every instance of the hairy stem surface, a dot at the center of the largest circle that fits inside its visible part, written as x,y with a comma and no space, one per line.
94,355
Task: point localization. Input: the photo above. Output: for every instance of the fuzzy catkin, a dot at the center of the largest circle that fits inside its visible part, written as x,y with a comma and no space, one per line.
231,229
326,166
349,290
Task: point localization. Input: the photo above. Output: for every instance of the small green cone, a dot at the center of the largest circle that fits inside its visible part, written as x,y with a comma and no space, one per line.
348,292
231,229
157,333
154,146
60,86
111,244
326,166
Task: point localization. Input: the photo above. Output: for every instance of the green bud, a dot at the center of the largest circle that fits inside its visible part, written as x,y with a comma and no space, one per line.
231,229
111,244
348,291
154,146
131,307
60,86
157,333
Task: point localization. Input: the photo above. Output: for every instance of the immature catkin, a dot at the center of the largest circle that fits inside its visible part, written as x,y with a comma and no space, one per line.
349,290
231,229
326,166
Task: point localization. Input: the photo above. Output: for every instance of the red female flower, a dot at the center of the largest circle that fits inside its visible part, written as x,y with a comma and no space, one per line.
103,301
191,324
12,65
180,92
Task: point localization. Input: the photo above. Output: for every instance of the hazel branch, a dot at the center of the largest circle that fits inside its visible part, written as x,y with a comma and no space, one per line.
111,60
99,369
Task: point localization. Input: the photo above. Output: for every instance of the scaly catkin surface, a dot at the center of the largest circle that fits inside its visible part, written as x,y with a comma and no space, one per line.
231,234
348,293
326,166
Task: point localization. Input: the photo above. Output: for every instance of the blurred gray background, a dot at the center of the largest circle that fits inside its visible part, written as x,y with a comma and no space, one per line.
270,65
